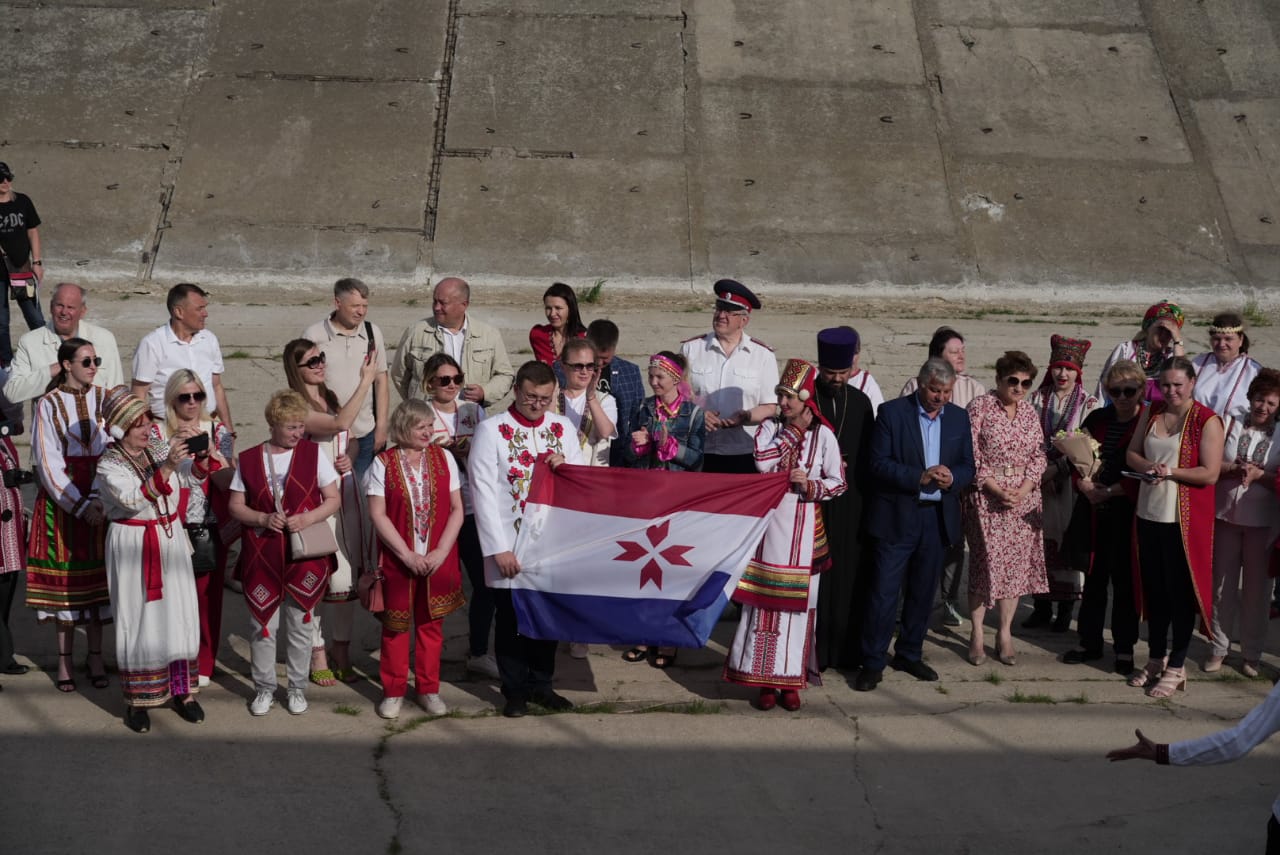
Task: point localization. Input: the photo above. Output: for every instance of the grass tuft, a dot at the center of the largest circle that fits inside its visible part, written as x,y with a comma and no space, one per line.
346,709
942,690
1018,697
1253,314
594,293
238,354
994,678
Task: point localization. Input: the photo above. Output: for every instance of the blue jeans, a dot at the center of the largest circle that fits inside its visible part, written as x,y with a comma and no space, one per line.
364,455
30,312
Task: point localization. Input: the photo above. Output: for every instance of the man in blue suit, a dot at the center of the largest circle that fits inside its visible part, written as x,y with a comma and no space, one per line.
921,462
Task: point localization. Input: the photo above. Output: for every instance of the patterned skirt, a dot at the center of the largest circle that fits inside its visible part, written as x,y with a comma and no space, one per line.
66,570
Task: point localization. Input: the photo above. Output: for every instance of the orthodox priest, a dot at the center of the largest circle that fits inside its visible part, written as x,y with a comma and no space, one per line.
841,594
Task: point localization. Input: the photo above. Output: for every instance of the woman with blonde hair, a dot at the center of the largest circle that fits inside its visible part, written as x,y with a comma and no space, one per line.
328,425
415,503
202,508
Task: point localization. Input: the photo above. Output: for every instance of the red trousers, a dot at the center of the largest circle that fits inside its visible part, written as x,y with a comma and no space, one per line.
428,636
209,599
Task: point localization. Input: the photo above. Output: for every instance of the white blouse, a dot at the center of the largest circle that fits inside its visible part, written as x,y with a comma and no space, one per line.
1256,505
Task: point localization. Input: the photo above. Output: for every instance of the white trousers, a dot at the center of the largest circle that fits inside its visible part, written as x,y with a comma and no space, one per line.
297,648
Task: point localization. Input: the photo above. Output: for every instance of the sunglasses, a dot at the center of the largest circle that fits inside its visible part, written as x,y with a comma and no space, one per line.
581,366
1123,391
313,362
95,361
188,397
1014,382
448,380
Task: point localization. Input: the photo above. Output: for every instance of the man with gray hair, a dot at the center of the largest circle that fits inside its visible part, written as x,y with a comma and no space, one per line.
921,461
346,339
36,360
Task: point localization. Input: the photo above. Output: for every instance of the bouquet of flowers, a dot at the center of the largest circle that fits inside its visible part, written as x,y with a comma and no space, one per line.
1080,449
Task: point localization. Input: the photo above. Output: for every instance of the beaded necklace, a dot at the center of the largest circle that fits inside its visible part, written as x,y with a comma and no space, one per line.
419,494
161,501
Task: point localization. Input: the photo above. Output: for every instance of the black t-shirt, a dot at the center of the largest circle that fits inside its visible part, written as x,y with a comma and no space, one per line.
16,217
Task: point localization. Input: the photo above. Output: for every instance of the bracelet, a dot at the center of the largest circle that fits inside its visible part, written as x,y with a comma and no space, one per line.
1177,344
41,263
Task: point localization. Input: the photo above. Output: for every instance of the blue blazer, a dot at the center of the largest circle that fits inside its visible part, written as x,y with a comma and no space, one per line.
897,462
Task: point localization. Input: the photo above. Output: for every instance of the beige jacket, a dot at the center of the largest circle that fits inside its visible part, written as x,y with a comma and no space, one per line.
484,358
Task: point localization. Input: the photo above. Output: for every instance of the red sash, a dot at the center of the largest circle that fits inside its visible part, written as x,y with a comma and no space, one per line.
401,589
266,570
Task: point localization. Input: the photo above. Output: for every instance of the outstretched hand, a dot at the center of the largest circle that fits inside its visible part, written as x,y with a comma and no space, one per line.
1144,750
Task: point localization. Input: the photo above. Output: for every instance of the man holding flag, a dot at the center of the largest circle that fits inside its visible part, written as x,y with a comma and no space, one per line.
504,451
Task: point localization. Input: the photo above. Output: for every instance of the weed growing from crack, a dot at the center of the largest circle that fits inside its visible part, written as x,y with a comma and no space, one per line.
942,690
346,709
238,354
994,678
1081,698
594,293
1019,698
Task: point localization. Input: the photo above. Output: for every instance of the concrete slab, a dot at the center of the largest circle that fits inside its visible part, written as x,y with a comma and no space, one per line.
1057,94
555,217
1249,51
586,85
115,76
593,8
280,151
817,183
107,226
1033,13
1183,33
1082,223
828,41
369,39
1243,142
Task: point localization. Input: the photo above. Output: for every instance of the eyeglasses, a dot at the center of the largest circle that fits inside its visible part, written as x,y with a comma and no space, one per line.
188,397
1123,391
581,366
448,379
313,362
1014,382
541,400
95,361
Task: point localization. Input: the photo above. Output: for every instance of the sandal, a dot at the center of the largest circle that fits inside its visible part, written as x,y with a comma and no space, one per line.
1149,674
1171,681
98,681
68,685
664,660
321,676
636,654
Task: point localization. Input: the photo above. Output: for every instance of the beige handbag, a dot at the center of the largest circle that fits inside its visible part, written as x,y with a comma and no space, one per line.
316,540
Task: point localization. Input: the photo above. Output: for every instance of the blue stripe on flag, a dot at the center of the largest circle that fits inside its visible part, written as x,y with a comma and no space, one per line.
622,620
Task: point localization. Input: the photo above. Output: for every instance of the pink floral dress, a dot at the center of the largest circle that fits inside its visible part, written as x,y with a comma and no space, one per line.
1006,545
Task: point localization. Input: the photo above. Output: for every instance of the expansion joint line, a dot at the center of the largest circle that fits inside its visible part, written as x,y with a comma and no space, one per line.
442,120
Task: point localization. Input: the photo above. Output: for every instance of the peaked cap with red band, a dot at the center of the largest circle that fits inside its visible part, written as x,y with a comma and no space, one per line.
734,296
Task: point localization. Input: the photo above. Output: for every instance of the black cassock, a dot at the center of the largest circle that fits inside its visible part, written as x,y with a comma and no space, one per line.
842,589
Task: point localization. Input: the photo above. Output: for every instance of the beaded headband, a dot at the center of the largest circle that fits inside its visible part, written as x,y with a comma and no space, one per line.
1225,330
662,363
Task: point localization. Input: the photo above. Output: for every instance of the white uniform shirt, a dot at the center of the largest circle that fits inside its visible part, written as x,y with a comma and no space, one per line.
38,349
161,352
344,354
741,380
500,467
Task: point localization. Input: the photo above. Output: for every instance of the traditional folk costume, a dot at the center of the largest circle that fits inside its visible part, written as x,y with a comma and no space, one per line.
1175,539
867,385
272,581
1225,388
149,564
842,589
418,505
1061,415
503,453
202,509
677,432
773,645
1006,551
13,549
66,572
1137,351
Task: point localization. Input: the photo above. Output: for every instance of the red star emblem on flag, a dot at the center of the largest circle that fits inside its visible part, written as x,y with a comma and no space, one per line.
652,569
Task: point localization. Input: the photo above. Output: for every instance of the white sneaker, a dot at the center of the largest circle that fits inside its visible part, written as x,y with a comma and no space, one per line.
390,707
297,703
578,650
203,682
432,703
262,702
486,665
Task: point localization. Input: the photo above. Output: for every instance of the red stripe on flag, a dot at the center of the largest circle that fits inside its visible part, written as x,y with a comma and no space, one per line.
650,493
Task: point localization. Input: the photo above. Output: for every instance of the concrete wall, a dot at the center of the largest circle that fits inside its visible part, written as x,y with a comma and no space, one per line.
1062,149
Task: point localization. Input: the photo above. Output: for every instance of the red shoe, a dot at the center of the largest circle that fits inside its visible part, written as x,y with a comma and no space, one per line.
768,699
790,700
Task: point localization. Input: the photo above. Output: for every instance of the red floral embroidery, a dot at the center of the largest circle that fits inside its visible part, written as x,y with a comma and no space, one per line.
557,429
526,459
506,431
513,474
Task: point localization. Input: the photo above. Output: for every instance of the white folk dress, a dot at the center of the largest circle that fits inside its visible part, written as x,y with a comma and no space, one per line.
156,640
1225,388
773,648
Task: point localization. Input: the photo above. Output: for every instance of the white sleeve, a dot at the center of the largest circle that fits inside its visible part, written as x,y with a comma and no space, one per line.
455,480
112,372
145,361
375,478
571,448
610,405
237,483
47,459
487,482
1232,744
215,366
27,379
872,391
325,473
